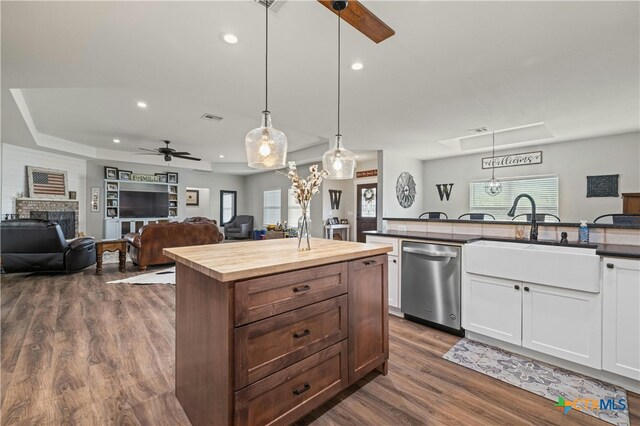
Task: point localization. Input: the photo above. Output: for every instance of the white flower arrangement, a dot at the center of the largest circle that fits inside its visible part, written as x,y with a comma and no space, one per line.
305,188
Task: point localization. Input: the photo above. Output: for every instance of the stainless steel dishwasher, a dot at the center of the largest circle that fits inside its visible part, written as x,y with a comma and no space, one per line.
431,283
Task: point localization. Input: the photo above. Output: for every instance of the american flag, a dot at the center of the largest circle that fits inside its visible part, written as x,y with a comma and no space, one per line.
48,183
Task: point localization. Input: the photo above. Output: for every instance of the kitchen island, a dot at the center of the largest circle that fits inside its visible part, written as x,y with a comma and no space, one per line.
265,333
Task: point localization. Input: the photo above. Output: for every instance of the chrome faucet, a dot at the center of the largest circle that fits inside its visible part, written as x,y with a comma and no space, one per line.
533,235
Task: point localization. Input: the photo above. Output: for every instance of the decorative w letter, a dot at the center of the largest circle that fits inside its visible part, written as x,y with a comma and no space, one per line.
444,189
334,197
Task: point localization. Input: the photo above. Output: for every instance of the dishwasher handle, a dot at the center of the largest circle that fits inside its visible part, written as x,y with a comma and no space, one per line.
431,253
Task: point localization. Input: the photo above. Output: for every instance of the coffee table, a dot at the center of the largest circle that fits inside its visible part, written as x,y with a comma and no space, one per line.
111,245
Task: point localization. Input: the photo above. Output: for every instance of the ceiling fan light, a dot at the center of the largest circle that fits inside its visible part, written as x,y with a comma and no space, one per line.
339,162
266,147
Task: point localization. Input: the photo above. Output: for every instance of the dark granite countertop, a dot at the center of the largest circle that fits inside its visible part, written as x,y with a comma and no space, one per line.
618,250
615,250
510,222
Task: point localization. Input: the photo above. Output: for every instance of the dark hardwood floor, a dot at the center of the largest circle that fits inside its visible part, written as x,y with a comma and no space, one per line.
75,350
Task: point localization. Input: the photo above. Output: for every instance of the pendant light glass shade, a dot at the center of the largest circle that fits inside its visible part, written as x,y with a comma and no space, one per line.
266,147
493,186
339,162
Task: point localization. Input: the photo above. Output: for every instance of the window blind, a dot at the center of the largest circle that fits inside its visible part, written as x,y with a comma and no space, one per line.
543,189
271,212
294,211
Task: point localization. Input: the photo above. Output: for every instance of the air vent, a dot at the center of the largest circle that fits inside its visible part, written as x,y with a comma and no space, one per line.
211,117
478,130
274,6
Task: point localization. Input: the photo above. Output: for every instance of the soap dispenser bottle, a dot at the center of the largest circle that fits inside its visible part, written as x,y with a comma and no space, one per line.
583,232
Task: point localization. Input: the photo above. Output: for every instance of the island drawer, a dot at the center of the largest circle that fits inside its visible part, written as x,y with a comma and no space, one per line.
269,345
263,297
288,394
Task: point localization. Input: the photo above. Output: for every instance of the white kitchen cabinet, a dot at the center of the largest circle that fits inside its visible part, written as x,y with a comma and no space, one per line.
621,317
493,307
563,323
393,270
394,282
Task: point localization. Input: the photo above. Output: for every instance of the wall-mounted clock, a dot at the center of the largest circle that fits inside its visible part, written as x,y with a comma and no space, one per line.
405,189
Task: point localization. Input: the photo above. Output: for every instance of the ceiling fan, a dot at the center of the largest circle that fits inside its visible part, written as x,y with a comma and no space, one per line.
168,153
360,18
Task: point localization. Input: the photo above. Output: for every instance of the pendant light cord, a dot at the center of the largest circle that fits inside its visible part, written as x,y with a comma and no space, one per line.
493,155
266,55
339,19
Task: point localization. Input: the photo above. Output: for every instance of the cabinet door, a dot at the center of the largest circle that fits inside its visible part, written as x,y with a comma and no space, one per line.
563,323
368,316
492,307
394,287
621,317
111,229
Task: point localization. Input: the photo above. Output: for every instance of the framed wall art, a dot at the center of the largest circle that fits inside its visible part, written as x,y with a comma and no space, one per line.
193,197
602,186
47,183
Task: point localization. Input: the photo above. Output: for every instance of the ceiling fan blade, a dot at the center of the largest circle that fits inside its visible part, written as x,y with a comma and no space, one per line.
187,158
363,20
150,150
147,153
180,153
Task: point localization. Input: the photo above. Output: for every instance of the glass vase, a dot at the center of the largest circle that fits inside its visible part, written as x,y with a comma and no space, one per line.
304,232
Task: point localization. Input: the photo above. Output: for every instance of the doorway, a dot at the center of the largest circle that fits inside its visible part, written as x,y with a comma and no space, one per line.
366,214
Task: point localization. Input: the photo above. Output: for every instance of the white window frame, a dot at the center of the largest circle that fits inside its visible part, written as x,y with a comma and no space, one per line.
499,205
271,214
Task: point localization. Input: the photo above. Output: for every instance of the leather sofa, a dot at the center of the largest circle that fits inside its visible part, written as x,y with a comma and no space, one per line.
239,227
37,245
145,246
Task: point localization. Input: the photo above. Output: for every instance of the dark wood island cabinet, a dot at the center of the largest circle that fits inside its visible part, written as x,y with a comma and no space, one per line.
265,334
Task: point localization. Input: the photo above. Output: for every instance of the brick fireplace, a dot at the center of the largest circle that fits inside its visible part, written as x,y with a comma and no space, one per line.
64,212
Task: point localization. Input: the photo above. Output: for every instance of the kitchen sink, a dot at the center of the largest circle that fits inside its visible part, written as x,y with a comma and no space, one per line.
574,268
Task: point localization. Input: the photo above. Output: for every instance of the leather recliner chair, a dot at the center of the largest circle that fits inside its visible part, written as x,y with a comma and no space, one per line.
36,245
239,227
145,246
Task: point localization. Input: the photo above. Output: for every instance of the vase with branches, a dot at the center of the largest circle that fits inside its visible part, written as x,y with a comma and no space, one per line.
303,190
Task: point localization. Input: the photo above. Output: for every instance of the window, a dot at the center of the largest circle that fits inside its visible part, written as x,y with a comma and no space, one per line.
294,211
543,189
271,212
228,206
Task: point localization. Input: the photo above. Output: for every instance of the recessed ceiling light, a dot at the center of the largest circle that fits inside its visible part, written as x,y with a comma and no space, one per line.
141,104
221,156
357,66
230,38
116,141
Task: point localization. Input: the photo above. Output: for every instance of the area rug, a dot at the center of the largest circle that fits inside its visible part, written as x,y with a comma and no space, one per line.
165,276
568,390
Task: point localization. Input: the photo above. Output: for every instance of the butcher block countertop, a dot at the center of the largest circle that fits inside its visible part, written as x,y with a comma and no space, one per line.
249,259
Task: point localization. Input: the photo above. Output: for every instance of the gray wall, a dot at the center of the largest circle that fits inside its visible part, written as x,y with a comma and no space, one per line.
258,183
186,178
571,161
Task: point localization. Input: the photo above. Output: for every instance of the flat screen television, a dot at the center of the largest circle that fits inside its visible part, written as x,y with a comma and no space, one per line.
135,204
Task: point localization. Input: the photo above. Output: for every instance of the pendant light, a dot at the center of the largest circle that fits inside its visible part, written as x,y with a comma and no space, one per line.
266,147
338,161
493,186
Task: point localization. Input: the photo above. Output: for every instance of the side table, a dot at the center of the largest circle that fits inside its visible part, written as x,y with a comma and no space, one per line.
111,245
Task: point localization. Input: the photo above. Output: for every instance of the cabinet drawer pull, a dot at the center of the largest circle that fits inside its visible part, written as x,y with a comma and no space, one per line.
610,265
302,390
517,287
369,262
301,288
526,289
299,334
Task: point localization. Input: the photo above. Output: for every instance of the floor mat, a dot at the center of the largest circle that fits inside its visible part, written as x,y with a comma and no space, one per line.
165,276
569,390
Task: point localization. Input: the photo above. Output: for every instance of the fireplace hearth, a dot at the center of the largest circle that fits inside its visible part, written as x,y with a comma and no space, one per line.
64,212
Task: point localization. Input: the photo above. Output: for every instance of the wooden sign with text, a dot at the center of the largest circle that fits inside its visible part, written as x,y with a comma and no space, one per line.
523,159
367,173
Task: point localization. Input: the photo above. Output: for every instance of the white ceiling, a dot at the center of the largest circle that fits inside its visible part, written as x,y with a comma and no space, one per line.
451,67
